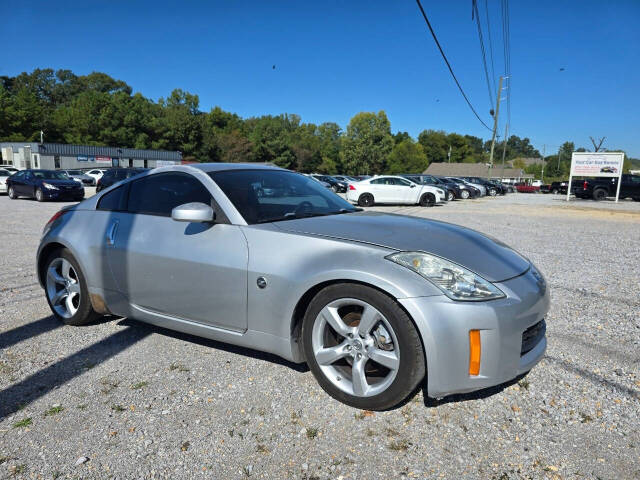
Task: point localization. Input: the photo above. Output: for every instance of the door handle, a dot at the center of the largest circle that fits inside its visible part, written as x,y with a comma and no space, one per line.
111,234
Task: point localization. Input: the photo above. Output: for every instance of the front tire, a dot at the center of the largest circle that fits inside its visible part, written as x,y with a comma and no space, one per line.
11,193
39,195
427,200
66,289
366,200
362,348
492,192
464,194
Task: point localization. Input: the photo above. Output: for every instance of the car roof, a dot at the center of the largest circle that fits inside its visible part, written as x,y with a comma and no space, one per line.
219,167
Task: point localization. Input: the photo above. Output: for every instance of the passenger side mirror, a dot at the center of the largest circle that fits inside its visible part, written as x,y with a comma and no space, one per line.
195,212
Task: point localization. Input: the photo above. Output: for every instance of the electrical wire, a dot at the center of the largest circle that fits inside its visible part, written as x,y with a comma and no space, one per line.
435,38
476,14
493,73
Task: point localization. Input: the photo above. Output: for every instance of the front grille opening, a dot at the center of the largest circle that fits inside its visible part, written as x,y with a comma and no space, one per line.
532,336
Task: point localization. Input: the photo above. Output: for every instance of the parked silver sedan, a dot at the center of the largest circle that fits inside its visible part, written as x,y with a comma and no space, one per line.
375,303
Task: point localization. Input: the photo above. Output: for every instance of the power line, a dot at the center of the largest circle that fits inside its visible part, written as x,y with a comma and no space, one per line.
474,13
493,73
449,65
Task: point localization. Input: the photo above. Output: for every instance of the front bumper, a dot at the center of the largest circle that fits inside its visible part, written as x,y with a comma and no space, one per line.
444,325
61,194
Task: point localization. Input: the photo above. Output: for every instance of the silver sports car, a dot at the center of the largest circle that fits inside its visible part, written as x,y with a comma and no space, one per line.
375,303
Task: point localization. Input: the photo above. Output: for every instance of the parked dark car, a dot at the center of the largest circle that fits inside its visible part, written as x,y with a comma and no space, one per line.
555,188
493,189
452,190
601,188
336,186
44,185
80,176
115,175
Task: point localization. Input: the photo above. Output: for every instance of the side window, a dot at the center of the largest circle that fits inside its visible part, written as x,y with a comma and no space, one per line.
402,182
161,193
114,201
377,181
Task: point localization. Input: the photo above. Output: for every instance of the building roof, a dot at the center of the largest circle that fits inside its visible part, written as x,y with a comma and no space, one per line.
92,150
527,161
474,170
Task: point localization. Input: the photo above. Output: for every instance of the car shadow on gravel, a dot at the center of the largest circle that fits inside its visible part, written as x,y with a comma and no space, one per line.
226,347
465,397
57,374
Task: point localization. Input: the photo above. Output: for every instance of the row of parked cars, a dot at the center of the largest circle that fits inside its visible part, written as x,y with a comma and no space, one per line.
45,185
416,189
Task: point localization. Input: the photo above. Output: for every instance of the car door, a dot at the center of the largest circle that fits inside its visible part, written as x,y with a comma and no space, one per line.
406,193
192,271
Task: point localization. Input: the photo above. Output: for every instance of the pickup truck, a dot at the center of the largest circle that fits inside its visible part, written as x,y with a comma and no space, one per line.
601,188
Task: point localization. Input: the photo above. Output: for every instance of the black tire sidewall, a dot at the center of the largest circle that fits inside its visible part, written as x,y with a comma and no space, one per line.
11,193
427,200
366,200
40,197
462,194
412,363
85,313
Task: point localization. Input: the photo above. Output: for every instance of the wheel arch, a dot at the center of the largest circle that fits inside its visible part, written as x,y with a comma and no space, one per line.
43,254
304,301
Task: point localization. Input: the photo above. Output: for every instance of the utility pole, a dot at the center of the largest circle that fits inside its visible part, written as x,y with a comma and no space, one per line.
495,126
504,149
449,154
544,151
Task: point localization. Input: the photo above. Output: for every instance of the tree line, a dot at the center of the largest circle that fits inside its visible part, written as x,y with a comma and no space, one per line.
97,109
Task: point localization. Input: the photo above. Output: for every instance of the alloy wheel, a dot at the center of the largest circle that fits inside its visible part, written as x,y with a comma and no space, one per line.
355,347
63,287
464,194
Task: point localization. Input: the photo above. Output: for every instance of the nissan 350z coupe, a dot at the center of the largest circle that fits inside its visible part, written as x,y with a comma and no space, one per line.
269,259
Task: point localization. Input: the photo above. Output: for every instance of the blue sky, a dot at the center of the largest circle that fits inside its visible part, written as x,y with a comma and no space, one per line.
335,59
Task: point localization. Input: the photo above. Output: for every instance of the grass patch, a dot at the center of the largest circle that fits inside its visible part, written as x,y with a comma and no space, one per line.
524,383
53,410
139,385
178,366
4,459
584,418
260,448
399,445
82,406
108,385
185,446
25,422
312,432
17,469
118,408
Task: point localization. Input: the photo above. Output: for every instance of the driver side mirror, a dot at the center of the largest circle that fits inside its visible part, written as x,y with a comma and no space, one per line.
195,212
413,185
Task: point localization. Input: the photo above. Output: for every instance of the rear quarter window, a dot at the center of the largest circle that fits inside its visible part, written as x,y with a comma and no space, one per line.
114,201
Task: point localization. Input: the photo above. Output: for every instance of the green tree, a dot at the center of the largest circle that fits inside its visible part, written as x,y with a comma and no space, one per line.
367,143
435,145
407,157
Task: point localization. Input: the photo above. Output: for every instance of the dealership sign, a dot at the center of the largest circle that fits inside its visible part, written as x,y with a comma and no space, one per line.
599,164
86,158
103,160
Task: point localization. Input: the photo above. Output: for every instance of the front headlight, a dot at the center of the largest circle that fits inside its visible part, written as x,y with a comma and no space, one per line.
455,281
49,186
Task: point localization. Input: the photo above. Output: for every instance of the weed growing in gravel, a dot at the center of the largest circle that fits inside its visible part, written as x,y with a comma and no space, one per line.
54,410
524,383
260,448
295,417
399,445
585,418
185,446
118,408
5,368
108,385
23,423
4,459
56,474
178,366
17,469
139,385
312,432
82,406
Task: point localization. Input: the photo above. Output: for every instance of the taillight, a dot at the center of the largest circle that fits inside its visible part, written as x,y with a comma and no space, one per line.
351,187
56,216
584,185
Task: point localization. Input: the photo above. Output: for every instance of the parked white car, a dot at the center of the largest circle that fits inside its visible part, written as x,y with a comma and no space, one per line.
393,189
4,174
96,173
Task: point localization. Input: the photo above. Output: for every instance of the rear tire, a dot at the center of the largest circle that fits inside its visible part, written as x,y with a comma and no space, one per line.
450,196
66,289
366,200
427,200
334,323
492,192
555,191
599,194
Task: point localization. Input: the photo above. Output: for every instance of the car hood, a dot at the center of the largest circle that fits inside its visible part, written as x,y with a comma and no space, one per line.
481,254
62,183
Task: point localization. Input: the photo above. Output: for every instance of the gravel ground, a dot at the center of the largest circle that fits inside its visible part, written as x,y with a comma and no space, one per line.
120,399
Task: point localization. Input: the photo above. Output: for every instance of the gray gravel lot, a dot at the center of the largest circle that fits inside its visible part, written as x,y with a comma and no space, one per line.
120,399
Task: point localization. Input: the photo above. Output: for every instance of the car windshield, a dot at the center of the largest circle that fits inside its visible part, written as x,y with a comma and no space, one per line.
50,175
263,196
